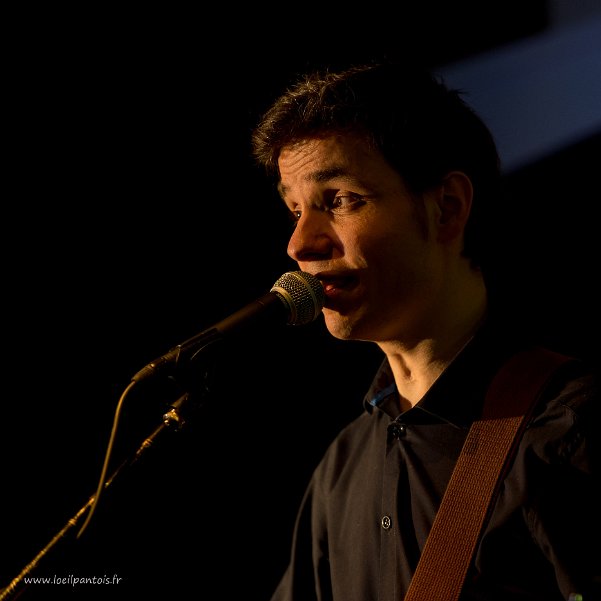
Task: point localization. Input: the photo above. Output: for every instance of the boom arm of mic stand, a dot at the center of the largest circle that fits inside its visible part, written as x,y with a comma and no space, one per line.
172,420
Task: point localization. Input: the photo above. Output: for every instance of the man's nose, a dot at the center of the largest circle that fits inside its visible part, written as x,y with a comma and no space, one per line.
311,236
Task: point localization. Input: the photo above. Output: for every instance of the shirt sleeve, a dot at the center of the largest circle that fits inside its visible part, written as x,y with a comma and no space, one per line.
566,517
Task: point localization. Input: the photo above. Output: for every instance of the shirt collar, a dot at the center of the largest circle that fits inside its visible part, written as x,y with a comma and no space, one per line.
458,393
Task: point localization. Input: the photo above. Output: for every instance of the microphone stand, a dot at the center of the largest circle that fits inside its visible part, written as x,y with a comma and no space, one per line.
172,420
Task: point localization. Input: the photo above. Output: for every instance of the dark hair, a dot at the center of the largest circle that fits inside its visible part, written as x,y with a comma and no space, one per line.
423,128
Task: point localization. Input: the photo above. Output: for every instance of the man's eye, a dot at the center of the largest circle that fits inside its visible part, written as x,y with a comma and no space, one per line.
294,217
343,201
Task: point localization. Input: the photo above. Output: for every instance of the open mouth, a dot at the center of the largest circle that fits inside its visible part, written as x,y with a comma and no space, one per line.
336,286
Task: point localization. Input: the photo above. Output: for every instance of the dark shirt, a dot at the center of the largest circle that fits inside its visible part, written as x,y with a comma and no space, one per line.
371,501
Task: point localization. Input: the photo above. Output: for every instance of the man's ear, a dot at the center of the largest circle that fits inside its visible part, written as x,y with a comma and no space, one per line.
454,200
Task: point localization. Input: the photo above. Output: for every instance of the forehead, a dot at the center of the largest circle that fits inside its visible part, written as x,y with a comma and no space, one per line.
320,160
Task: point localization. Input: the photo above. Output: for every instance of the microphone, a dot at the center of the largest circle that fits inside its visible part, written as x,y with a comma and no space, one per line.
296,298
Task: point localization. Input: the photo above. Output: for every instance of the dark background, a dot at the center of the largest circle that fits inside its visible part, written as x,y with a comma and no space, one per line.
134,218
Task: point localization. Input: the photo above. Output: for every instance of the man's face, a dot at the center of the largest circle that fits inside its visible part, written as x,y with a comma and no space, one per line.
357,229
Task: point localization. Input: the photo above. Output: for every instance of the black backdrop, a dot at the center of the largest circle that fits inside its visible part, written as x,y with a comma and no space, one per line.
136,219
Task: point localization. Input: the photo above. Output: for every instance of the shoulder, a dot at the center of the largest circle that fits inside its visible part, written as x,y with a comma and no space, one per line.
575,387
565,427
557,379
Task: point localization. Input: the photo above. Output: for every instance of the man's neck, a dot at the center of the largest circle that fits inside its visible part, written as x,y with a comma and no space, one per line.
417,364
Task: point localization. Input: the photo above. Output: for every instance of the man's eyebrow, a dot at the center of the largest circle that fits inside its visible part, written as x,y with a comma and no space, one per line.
320,176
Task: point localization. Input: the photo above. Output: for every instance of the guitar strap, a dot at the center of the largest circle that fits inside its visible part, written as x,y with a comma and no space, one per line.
474,484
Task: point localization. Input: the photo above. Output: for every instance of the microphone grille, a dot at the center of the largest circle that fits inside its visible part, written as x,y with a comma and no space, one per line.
302,293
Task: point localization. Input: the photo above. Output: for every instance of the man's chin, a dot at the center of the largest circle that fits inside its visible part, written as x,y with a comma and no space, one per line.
340,326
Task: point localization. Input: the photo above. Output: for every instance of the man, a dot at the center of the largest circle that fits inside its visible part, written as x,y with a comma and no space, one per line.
391,179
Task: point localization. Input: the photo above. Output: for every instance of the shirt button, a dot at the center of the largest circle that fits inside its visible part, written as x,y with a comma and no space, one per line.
396,430
386,522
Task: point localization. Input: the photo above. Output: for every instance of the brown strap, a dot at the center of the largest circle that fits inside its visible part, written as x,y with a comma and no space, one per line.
450,545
